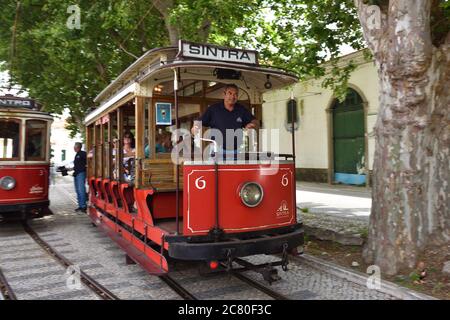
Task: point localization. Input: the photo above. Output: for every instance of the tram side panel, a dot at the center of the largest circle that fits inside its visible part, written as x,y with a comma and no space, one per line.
276,209
29,196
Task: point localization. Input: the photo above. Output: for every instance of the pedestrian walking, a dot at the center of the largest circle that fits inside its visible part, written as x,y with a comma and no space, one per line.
79,174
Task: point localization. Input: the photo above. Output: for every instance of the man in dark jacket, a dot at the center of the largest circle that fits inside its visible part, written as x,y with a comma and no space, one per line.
79,173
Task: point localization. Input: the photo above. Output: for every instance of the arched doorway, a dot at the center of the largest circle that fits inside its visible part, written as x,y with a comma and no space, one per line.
349,140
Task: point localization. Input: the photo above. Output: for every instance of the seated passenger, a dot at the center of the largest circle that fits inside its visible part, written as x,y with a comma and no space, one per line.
128,156
159,146
166,142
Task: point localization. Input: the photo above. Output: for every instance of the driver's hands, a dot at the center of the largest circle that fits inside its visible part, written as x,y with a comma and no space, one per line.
195,129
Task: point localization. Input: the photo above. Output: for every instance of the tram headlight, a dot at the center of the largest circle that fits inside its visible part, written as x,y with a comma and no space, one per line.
7,183
251,194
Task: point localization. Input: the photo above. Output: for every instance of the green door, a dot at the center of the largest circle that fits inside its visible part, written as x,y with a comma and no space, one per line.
349,140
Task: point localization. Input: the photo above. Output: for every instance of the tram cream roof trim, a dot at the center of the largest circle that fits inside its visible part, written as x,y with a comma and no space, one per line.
161,59
132,72
25,113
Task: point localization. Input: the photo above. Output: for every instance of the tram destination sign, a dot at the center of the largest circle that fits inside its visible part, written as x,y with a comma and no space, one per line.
212,52
15,102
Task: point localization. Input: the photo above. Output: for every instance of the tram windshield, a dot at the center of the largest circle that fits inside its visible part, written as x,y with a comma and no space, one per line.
36,133
9,139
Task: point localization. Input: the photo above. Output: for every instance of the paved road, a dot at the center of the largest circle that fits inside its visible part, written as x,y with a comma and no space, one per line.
98,256
339,201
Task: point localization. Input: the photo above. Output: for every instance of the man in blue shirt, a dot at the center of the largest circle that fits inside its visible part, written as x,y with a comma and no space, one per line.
79,174
227,116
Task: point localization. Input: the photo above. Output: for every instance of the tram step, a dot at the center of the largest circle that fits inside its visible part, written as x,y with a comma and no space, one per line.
133,253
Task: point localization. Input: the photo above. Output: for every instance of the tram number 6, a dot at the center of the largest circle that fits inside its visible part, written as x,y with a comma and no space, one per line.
284,180
200,183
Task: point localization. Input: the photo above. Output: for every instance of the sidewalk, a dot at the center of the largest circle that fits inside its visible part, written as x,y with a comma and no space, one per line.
334,212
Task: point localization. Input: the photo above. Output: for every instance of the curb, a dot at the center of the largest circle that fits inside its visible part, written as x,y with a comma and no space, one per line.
359,278
326,234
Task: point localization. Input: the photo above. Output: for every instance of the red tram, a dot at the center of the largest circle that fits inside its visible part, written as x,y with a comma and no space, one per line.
24,159
177,206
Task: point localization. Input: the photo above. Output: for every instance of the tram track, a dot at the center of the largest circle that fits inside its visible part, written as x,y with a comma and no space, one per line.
6,292
260,287
177,287
237,273
88,281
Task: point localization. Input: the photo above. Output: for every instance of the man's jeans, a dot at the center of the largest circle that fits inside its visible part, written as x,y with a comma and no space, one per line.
80,189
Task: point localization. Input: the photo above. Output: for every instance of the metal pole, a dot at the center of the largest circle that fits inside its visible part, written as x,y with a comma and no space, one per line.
294,196
177,194
216,173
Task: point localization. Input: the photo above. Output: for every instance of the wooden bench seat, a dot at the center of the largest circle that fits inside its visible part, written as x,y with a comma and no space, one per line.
160,174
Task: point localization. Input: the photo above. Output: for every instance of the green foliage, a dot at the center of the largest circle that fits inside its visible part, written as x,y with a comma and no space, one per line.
67,68
364,232
414,276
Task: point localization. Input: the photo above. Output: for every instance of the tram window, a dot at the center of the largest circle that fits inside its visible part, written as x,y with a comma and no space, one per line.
9,139
36,133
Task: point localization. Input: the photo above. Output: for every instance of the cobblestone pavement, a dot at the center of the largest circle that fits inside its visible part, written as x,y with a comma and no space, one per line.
36,276
30,271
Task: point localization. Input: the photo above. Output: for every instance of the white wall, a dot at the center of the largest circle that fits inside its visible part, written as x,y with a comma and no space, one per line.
60,140
312,135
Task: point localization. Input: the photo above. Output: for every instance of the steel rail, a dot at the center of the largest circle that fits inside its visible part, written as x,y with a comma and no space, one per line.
96,287
179,289
6,292
255,284
261,287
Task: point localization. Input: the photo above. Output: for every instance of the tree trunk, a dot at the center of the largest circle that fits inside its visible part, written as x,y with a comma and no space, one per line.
410,205
164,6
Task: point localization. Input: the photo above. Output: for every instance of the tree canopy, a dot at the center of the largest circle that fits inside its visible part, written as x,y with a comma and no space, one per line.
66,67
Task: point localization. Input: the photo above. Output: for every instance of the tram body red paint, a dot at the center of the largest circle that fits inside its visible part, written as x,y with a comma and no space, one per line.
275,210
24,159
31,183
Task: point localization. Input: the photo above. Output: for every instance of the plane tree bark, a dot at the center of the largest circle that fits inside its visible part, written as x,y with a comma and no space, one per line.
410,203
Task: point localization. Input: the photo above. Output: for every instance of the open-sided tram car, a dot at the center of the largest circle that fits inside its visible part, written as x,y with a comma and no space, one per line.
195,210
24,159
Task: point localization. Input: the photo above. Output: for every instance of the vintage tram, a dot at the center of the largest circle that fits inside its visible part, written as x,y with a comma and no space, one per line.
24,159
177,206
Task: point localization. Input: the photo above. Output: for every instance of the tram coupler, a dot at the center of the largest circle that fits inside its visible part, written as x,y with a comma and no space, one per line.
267,270
229,262
270,274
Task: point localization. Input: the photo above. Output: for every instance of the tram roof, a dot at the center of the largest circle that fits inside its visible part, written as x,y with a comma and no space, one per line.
157,60
19,106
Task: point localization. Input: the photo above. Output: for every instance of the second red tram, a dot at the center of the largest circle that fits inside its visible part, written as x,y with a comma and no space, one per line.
24,159
158,204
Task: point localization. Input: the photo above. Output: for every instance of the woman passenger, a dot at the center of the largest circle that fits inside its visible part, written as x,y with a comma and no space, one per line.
129,153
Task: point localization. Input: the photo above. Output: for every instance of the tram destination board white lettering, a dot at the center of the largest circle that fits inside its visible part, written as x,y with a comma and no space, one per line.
14,102
212,52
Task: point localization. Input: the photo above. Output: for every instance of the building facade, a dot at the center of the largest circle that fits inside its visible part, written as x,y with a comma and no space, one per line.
61,143
334,140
